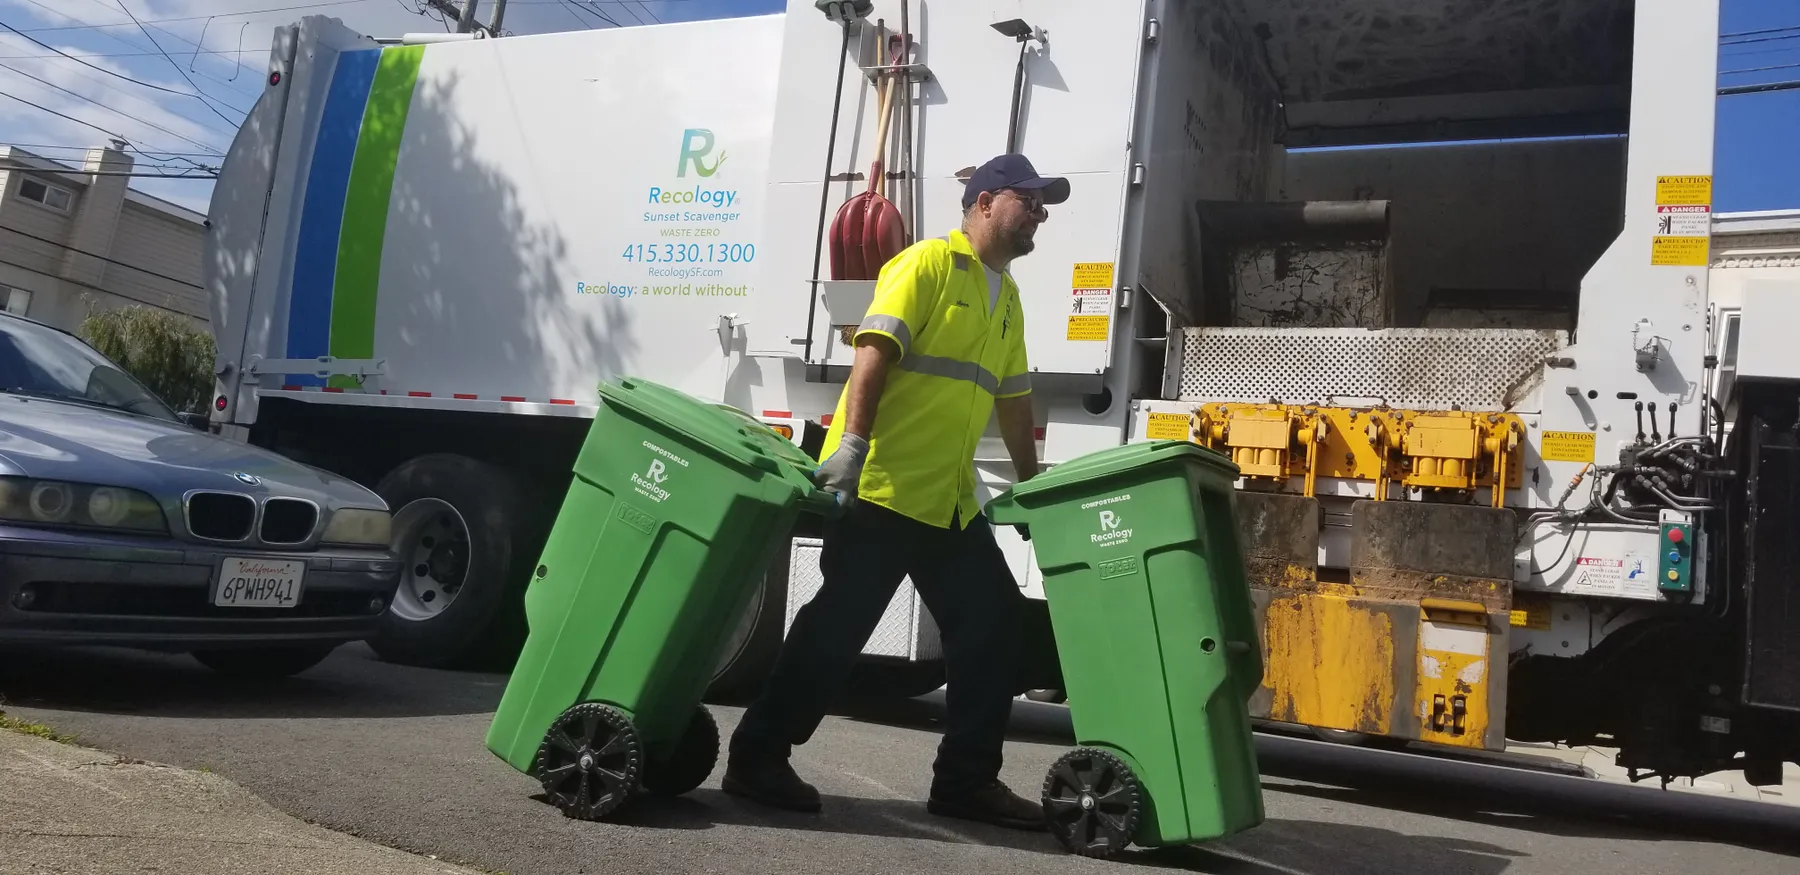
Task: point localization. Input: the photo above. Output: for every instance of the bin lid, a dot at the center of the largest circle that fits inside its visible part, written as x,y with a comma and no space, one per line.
733,435
1114,460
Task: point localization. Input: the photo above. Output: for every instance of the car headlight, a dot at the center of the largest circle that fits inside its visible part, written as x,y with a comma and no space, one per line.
59,503
360,527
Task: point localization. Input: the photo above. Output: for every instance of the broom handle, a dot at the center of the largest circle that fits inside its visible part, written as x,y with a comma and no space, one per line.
876,178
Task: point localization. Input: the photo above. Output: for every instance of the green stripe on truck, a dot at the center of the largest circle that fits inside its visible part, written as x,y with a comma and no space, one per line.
366,206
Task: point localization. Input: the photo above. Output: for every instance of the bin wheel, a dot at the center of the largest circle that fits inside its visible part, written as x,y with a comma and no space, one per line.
690,762
1093,802
590,761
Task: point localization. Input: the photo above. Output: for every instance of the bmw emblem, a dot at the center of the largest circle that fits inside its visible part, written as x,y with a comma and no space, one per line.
248,479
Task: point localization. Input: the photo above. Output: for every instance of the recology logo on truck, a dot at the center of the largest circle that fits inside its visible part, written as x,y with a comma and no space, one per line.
690,240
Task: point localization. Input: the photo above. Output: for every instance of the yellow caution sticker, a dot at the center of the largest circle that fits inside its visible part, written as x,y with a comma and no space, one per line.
1089,327
1567,446
1680,251
1167,427
1683,190
1092,275
1530,612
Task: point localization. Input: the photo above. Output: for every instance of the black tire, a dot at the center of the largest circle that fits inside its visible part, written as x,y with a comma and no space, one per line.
1049,697
264,663
690,762
752,647
484,626
878,678
590,761
1093,802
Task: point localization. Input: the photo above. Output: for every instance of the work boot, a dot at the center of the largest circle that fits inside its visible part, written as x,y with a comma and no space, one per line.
993,804
771,782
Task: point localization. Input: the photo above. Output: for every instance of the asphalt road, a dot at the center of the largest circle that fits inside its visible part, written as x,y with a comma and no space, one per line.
395,755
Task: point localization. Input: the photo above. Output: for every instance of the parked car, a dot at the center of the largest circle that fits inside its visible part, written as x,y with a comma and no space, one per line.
122,524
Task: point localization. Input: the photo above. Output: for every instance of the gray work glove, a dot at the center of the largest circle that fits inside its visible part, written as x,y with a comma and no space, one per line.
840,473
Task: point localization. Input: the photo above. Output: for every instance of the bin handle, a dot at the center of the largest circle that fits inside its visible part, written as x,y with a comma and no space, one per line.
824,504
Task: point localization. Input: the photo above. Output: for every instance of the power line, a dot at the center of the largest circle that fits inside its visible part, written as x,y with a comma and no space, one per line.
111,73
96,288
181,173
1760,32
184,75
143,270
66,147
96,127
76,56
1764,88
1759,69
141,99
1762,39
119,39
85,26
79,96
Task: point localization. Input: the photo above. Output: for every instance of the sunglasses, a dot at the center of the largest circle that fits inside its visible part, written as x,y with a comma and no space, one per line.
1033,201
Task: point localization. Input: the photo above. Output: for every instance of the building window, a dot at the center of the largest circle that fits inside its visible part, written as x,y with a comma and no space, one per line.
17,301
44,193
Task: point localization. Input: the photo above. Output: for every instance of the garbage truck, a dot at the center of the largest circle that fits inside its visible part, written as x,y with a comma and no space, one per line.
1434,276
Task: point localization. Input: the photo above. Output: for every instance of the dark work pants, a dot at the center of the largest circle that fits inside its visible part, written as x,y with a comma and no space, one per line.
971,593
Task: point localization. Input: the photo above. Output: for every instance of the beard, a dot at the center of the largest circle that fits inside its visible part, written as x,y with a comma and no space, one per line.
1022,239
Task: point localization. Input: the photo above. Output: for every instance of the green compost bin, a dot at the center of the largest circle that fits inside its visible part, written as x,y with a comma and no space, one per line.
675,510
1151,608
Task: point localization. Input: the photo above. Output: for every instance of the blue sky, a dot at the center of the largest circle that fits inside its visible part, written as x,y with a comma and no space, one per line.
1756,162
1755,166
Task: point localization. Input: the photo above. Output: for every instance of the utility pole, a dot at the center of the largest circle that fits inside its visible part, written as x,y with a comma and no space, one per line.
465,16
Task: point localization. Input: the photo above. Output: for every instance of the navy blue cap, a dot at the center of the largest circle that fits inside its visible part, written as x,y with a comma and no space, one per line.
1013,171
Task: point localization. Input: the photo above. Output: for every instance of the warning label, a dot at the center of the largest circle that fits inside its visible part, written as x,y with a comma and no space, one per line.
1598,574
1167,427
1567,446
1091,302
1680,251
1683,190
1684,221
1092,275
1640,573
1089,327
1530,612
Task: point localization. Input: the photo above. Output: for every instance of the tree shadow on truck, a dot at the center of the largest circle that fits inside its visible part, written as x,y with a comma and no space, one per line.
474,490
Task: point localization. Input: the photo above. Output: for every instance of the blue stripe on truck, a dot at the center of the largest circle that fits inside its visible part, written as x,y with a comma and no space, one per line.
322,215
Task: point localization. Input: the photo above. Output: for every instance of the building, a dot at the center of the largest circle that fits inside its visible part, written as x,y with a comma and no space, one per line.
74,238
1746,246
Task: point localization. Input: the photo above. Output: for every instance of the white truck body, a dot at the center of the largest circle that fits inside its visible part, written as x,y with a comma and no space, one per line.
420,251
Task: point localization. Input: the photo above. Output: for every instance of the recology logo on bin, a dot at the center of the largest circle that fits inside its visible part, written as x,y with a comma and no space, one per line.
649,483
1113,531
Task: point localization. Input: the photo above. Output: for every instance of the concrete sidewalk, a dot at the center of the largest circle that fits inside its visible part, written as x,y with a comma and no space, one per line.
69,809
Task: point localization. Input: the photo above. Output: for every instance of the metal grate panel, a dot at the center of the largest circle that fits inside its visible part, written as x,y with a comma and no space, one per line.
1408,368
905,623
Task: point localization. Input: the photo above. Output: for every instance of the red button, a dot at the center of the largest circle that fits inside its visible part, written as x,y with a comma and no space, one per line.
1675,535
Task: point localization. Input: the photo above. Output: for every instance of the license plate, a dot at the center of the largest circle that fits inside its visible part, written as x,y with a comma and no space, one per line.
259,583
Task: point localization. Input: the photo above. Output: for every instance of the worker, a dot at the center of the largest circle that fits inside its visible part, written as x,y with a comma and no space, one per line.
941,348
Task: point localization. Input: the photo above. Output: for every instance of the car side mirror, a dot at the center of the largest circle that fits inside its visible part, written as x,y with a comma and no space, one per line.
197,421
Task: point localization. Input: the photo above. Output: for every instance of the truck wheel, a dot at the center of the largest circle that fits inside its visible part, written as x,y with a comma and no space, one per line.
755,641
459,526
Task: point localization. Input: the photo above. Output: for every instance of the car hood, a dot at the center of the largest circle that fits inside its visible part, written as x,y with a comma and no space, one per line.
65,441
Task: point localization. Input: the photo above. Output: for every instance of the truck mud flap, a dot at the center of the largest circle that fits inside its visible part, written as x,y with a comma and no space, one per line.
1410,644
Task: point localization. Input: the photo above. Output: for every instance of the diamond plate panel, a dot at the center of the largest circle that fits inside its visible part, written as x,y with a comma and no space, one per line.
906,629
1408,368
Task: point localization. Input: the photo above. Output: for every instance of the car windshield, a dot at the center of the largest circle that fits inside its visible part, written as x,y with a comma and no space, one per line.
40,361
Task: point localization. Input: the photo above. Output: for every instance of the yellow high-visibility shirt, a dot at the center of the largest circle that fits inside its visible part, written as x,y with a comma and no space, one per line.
960,348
